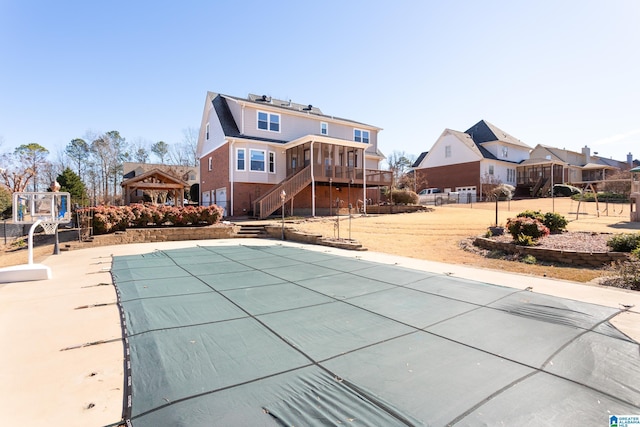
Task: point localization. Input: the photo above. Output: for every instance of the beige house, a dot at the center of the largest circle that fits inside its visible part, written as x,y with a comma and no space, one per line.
259,153
548,165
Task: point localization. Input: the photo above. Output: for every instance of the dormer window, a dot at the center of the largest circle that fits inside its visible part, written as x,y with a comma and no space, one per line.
361,135
268,121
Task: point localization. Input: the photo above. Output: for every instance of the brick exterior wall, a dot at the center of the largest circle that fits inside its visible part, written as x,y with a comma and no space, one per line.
451,176
218,177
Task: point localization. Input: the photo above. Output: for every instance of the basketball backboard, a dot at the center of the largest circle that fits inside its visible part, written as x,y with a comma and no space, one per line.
28,207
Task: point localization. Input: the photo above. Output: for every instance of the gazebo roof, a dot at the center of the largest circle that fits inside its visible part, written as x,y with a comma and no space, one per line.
155,179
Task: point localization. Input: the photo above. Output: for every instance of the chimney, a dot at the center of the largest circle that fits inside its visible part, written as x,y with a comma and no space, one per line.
587,154
630,159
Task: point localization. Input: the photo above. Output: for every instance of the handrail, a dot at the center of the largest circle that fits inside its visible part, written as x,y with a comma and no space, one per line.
270,201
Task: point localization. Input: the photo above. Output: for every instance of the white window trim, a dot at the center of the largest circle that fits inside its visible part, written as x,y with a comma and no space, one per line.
271,155
264,154
326,125
207,132
362,132
447,151
268,129
244,157
210,163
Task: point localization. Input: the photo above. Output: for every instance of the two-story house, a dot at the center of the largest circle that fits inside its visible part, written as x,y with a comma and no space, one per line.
259,153
550,165
464,161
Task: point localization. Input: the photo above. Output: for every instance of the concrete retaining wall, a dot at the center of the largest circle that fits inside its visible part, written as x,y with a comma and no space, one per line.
579,259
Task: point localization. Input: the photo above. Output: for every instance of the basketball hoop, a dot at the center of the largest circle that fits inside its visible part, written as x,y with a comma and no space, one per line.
49,227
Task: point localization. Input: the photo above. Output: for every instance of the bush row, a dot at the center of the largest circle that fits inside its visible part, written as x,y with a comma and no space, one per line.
109,219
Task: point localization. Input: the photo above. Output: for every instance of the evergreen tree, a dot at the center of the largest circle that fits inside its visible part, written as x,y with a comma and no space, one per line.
71,183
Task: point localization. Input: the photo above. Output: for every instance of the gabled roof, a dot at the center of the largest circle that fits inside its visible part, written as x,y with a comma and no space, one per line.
484,131
158,174
292,107
469,142
419,159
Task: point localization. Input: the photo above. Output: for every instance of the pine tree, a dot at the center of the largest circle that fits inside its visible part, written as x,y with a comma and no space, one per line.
70,182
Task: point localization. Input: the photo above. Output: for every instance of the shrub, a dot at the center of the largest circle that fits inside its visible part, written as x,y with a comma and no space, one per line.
624,242
522,227
556,223
531,214
529,259
524,240
404,197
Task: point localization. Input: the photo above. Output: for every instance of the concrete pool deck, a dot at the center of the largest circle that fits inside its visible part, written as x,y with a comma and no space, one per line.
63,357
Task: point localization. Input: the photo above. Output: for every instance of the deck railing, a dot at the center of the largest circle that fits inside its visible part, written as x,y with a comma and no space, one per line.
271,201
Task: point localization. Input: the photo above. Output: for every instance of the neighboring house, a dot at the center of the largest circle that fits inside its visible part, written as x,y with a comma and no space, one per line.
252,149
583,169
175,176
464,161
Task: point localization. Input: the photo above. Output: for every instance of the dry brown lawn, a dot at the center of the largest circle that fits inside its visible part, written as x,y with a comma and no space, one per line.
436,235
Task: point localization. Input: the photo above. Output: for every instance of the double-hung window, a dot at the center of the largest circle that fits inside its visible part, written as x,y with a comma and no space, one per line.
268,121
324,128
360,135
207,132
257,160
240,159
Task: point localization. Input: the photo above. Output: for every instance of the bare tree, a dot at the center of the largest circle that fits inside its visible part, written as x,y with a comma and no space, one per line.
79,151
140,150
400,163
23,166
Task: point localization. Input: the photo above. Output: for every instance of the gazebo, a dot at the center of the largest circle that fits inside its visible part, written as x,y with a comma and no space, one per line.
154,183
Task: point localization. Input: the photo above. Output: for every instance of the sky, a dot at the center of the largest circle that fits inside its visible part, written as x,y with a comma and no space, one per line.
559,73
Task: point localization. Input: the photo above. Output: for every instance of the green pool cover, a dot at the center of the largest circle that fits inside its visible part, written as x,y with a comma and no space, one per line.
278,335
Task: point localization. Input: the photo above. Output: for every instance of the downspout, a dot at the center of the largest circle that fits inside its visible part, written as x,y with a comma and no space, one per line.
313,186
364,181
231,161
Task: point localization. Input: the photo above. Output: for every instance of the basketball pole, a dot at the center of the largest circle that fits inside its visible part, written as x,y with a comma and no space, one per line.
56,245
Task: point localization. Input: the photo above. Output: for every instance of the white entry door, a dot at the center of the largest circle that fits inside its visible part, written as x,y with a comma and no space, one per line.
221,199
206,198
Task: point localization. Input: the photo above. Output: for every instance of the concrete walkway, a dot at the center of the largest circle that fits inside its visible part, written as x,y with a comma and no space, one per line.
63,355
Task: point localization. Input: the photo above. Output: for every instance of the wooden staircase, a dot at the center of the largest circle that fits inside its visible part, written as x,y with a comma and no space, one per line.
536,189
271,201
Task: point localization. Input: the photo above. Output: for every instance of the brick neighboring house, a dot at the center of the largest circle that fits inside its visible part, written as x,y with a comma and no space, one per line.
463,161
251,149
